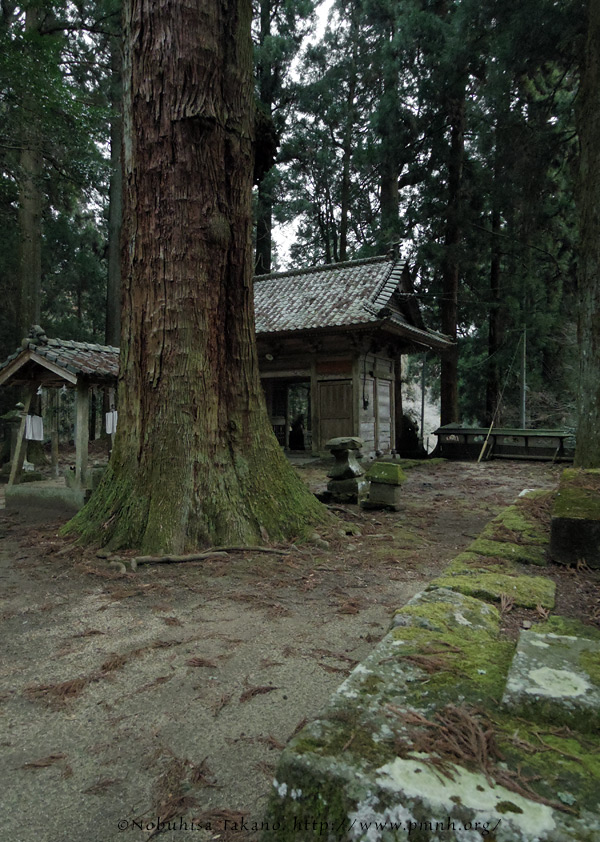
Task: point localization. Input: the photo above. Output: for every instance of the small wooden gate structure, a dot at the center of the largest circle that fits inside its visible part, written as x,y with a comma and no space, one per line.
54,363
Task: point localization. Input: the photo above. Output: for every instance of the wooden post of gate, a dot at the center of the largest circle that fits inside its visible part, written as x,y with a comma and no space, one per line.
82,432
54,432
17,464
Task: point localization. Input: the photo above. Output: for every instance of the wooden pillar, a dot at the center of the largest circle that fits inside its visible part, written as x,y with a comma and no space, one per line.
82,431
17,463
356,395
314,407
92,419
288,419
54,432
398,411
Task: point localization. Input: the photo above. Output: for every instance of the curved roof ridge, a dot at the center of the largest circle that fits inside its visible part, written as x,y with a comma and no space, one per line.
72,343
325,267
387,286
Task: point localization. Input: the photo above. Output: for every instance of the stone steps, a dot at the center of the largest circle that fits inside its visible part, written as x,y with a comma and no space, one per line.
449,730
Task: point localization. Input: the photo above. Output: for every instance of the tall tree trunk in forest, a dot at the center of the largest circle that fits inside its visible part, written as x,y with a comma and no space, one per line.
347,143
113,288
195,461
264,227
30,225
587,454
492,395
390,166
450,268
264,211
30,208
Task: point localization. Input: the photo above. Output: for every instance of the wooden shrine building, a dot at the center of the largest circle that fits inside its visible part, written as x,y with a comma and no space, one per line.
329,343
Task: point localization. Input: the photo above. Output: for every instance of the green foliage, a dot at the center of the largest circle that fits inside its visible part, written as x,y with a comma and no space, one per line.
376,101
53,99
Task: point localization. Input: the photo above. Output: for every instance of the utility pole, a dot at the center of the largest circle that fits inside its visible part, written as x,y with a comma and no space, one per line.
423,368
524,381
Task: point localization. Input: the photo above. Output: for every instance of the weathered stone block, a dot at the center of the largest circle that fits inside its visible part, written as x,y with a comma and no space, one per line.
383,496
377,767
444,610
346,465
575,528
556,679
384,491
346,485
348,490
478,576
352,774
344,443
386,473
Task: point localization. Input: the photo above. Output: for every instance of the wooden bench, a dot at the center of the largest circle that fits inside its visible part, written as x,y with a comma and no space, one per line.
456,442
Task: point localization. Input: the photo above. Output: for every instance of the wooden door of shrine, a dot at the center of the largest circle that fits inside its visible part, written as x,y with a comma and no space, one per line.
336,416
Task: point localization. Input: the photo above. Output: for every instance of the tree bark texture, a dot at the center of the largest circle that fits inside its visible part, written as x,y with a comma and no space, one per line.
195,461
30,208
115,205
492,396
264,215
30,225
390,166
450,268
348,144
264,227
587,454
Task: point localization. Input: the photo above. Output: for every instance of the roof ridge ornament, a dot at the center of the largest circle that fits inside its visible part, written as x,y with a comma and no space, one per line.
37,336
395,250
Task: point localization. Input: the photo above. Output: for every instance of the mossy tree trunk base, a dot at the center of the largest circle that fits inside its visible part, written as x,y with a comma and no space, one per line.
195,461
239,500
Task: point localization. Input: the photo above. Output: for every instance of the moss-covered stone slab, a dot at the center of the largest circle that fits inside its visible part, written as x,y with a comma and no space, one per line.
388,473
406,798
510,551
575,526
443,610
556,679
514,522
491,579
555,624
356,774
416,744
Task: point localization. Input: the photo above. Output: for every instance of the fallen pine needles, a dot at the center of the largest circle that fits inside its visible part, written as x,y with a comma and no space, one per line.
461,736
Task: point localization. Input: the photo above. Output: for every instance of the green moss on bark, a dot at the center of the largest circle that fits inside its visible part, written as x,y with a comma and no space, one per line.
239,500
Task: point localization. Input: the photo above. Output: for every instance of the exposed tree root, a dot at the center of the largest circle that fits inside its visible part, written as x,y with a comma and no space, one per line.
214,552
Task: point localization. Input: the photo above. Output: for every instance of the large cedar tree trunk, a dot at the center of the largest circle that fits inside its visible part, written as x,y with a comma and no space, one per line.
115,205
30,207
390,167
195,461
264,215
492,396
587,454
450,268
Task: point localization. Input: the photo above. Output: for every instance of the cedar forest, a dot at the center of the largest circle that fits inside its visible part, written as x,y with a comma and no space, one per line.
446,125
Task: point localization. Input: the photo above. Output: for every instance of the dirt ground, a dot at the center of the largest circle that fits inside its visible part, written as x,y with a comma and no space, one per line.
171,691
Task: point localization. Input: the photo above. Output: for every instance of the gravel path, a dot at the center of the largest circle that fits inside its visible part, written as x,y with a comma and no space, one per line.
172,691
